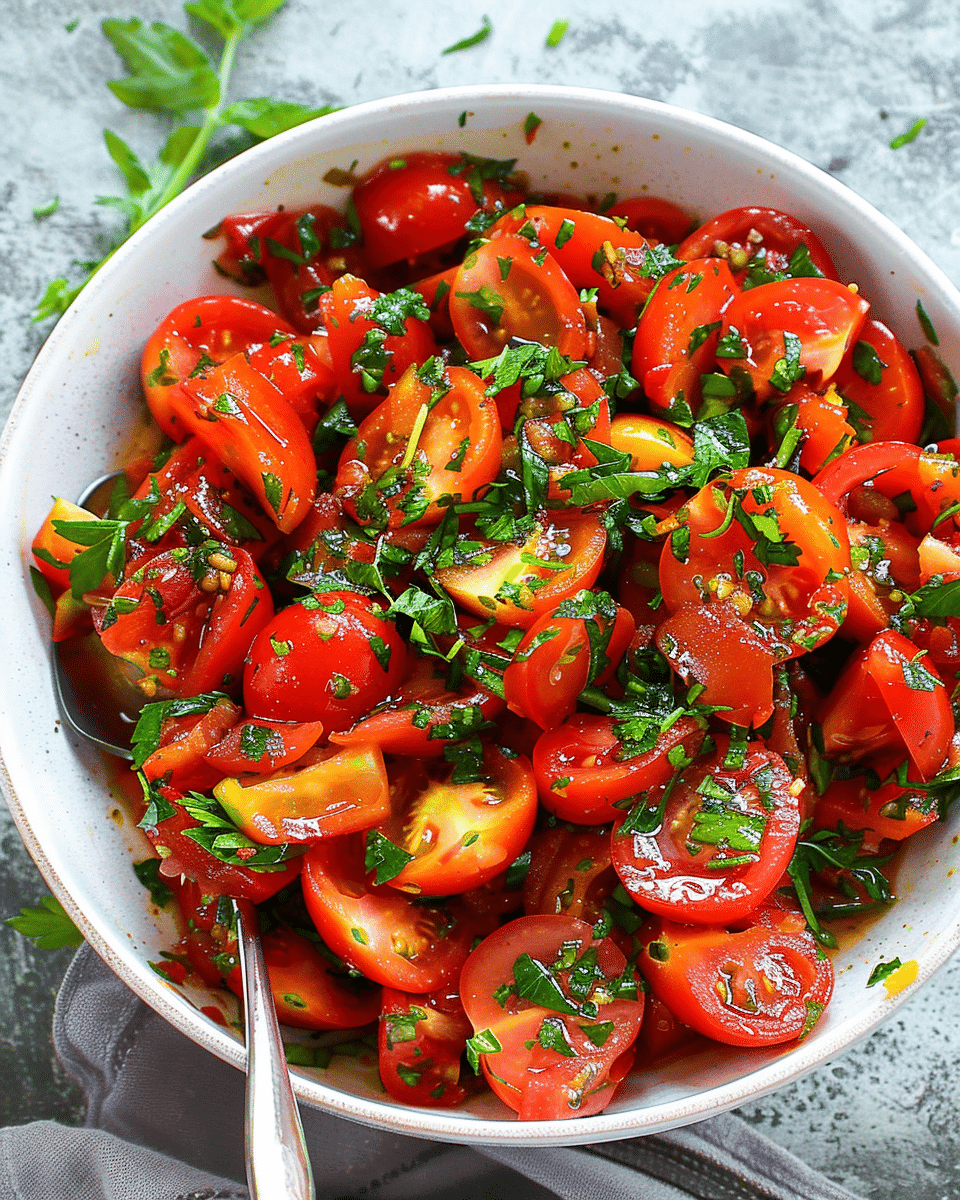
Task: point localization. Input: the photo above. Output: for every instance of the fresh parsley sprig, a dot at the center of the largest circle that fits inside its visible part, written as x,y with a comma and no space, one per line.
170,73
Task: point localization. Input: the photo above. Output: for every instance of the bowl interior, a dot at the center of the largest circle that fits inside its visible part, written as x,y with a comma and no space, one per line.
80,410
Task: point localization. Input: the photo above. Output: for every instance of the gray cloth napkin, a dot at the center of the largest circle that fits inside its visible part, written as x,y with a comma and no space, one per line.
165,1122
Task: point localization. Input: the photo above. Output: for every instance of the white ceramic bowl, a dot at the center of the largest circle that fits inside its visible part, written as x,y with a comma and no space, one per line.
81,401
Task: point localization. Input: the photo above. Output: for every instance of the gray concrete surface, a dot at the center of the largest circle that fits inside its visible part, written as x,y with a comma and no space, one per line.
833,80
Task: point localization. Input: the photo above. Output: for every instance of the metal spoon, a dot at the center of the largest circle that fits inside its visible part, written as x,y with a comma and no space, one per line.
101,705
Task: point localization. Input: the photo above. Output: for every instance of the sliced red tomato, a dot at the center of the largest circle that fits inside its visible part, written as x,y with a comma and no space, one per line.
824,420
252,430
180,757
505,290
516,584
425,441
557,1013
421,1044
421,716
329,658
766,543
257,747
454,833
792,329
758,987
570,873
580,641
420,202
754,233
654,218
342,792
180,855
373,339
676,340
878,376
888,697
308,990
389,937
181,635
592,251
711,845
585,773
195,336
889,811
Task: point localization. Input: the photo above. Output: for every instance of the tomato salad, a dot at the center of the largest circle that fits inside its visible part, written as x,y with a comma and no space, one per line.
546,612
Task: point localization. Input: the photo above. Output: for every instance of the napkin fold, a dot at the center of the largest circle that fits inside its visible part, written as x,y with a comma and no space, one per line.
165,1122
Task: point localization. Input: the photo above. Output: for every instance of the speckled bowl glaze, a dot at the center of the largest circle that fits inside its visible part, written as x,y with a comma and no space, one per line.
81,404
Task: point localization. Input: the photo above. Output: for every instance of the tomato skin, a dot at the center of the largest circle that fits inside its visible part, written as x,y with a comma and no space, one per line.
307,993
873,707
540,1083
580,776
677,868
570,873
461,835
650,441
421,1042
211,328
686,300
534,301
252,430
824,315
408,210
379,930
314,661
457,451
200,643
783,978
780,234
340,793
256,747
575,542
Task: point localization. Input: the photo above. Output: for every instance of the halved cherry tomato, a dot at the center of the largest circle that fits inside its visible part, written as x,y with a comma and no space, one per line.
592,251
196,335
389,937
516,584
677,334
420,716
888,811
53,551
410,205
585,773
421,1044
570,873
458,835
743,233
308,991
879,377
650,442
758,987
423,442
578,642
793,328
373,341
180,757
253,431
504,290
180,855
329,658
888,697
654,218
185,636
563,1009
342,792
256,747
710,846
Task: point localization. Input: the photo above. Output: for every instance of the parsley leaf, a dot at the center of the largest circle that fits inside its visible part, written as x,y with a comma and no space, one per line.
48,924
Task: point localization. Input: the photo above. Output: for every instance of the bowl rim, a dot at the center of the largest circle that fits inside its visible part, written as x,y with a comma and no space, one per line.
449,1125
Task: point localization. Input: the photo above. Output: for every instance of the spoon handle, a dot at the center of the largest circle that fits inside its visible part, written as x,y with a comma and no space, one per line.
278,1167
